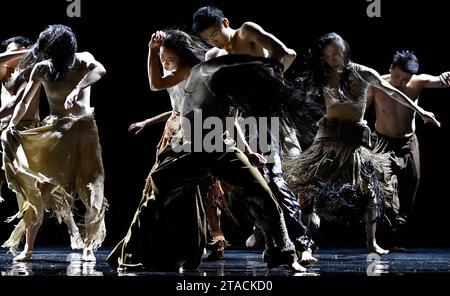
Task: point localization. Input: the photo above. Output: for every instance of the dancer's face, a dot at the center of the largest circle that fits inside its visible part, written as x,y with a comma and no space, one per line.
7,69
399,78
169,59
218,36
333,55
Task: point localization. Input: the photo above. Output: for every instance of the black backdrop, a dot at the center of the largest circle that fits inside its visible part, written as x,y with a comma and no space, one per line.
117,33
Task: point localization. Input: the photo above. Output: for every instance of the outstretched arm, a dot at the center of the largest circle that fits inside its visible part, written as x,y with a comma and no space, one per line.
277,50
138,127
377,81
96,71
429,81
156,79
11,55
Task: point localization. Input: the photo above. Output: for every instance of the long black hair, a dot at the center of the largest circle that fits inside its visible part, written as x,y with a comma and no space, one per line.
313,72
58,44
252,85
190,49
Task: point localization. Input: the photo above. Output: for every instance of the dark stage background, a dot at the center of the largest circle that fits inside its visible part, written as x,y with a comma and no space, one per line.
117,33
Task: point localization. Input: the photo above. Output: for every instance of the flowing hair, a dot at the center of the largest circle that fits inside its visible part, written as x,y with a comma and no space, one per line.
253,86
190,49
313,73
58,44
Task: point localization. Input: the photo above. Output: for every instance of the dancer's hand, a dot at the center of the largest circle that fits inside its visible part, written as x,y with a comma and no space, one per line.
71,98
429,117
157,39
256,159
138,127
445,78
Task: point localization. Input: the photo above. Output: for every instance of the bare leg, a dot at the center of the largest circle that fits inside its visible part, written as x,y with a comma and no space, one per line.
27,252
33,229
371,228
76,242
215,194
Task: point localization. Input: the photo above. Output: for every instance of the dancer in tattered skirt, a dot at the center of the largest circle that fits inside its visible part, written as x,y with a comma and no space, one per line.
53,164
339,178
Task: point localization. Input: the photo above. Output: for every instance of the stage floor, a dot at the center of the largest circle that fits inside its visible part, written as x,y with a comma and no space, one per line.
63,262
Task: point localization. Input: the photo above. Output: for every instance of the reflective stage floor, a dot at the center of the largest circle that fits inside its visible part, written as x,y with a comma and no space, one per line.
63,262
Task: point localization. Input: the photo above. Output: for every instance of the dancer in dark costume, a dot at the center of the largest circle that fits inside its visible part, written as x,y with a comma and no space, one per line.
250,38
178,53
212,88
395,132
338,177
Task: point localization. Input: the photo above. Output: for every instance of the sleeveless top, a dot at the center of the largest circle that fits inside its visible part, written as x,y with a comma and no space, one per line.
339,96
176,93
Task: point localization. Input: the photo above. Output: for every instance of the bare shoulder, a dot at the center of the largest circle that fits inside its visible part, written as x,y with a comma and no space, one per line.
214,53
367,73
84,57
361,68
250,28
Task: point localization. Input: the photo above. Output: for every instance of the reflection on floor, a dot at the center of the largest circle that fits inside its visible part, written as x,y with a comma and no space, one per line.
62,262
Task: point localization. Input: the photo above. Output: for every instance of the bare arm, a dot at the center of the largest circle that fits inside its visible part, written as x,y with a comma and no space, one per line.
139,126
255,158
8,109
274,46
214,52
96,71
429,81
7,56
156,79
377,81
31,88
370,96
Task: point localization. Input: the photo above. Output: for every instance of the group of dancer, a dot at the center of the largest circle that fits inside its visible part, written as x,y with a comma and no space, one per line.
335,170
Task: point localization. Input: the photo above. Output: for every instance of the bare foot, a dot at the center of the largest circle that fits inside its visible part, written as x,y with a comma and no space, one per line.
24,256
76,243
296,267
88,255
307,257
377,249
255,240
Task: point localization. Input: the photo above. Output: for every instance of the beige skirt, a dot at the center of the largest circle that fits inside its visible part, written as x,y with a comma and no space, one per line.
50,166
